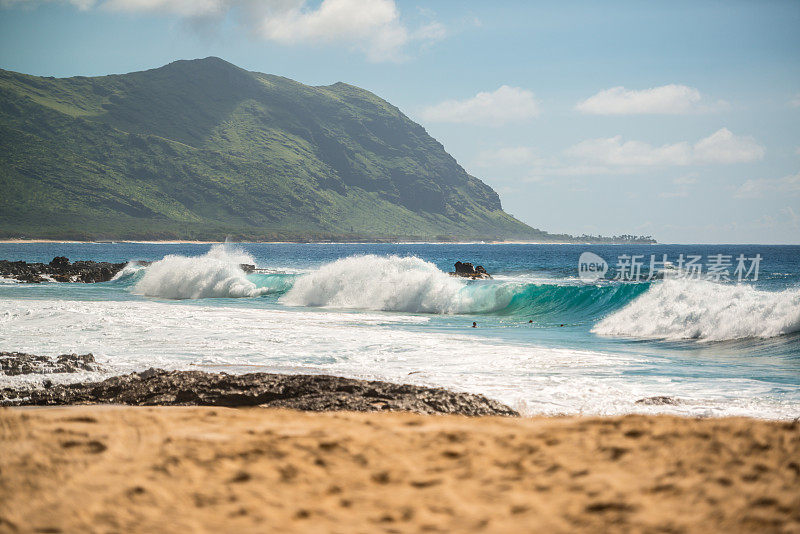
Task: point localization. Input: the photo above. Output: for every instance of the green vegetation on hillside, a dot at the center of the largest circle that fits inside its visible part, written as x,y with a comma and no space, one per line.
203,150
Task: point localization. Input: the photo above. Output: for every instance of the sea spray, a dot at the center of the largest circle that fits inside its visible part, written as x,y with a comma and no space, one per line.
703,310
392,283
410,284
551,369
217,274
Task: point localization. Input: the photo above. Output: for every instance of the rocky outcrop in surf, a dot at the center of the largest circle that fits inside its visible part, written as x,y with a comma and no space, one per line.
19,363
157,387
467,270
59,270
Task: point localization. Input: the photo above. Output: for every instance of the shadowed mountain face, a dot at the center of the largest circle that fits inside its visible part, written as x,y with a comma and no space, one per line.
204,149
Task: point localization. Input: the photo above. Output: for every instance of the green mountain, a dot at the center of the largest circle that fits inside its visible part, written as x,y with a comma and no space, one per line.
203,150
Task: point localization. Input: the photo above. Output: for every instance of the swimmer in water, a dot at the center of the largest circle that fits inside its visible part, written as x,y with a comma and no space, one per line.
474,324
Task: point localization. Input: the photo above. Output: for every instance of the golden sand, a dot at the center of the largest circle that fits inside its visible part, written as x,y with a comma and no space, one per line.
170,469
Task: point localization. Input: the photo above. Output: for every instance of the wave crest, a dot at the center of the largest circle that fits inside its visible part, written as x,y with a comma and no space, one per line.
410,284
703,310
217,274
129,270
392,283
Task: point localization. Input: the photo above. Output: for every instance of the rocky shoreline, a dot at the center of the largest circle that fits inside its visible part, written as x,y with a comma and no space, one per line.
157,387
60,270
19,363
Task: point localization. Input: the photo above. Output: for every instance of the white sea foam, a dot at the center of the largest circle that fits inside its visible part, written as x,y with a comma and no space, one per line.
136,335
393,283
703,310
217,274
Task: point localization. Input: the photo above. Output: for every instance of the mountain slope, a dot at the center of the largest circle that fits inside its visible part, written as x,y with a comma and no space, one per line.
204,149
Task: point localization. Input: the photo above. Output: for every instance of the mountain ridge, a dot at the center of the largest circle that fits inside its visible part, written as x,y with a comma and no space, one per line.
203,149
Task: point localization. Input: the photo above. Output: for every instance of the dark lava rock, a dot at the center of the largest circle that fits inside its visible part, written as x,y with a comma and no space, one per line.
658,401
300,392
466,269
59,262
18,363
61,270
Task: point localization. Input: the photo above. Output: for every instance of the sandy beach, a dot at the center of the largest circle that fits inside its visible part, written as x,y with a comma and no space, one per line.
193,469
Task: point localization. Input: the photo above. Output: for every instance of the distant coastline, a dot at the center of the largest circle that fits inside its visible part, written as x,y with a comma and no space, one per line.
127,158
322,242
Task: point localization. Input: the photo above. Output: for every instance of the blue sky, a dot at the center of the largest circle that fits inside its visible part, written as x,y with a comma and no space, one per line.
676,119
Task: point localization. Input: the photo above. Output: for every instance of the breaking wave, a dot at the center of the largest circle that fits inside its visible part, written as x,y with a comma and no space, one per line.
410,284
217,274
702,310
388,283
130,270
669,309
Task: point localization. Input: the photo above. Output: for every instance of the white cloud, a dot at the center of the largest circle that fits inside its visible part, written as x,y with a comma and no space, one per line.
720,147
612,151
788,185
506,104
666,99
795,101
614,157
724,147
373,27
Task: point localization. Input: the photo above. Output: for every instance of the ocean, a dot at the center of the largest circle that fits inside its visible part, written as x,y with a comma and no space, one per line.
719,333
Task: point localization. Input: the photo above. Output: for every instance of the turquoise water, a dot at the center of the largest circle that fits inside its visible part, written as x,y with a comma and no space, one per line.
546,341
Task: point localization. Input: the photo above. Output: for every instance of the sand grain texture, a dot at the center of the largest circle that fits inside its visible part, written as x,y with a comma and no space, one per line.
191,469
